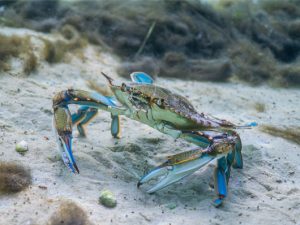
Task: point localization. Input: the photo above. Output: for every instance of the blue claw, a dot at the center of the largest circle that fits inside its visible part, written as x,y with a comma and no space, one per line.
65,147
174,173
141,77
159,171
64,143
62,126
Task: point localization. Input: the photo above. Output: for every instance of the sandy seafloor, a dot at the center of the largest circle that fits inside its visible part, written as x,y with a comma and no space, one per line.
266,191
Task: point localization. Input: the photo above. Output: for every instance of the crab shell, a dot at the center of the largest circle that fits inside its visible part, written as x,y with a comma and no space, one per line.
165,106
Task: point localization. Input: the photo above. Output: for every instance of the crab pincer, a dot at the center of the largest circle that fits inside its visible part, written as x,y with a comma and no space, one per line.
175,168
62,123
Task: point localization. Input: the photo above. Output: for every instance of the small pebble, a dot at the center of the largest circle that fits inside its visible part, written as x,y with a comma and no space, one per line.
22,147
108,199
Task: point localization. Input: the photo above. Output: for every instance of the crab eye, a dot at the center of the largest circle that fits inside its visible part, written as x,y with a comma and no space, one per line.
123,87
159,101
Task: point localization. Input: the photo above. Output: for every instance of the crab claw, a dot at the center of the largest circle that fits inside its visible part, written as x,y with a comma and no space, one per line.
174,173
65,148
62,124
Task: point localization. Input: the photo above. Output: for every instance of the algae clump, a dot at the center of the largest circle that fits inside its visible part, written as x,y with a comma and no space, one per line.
13,177
289,133
69,213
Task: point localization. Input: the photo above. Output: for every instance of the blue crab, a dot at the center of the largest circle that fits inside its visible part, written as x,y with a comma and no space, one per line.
166,112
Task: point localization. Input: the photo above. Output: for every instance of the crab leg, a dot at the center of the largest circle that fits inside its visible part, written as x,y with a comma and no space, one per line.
83,116
115,126
63,121
238,158
221,180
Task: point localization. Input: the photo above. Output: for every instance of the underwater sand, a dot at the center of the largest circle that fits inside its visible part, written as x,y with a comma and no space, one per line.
266,191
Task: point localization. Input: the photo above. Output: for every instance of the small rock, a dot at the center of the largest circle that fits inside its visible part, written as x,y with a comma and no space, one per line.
42,187
22,147
108,199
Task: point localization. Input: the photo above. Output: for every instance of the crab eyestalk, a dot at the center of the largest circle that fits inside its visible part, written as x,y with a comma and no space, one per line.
115,86
62,123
